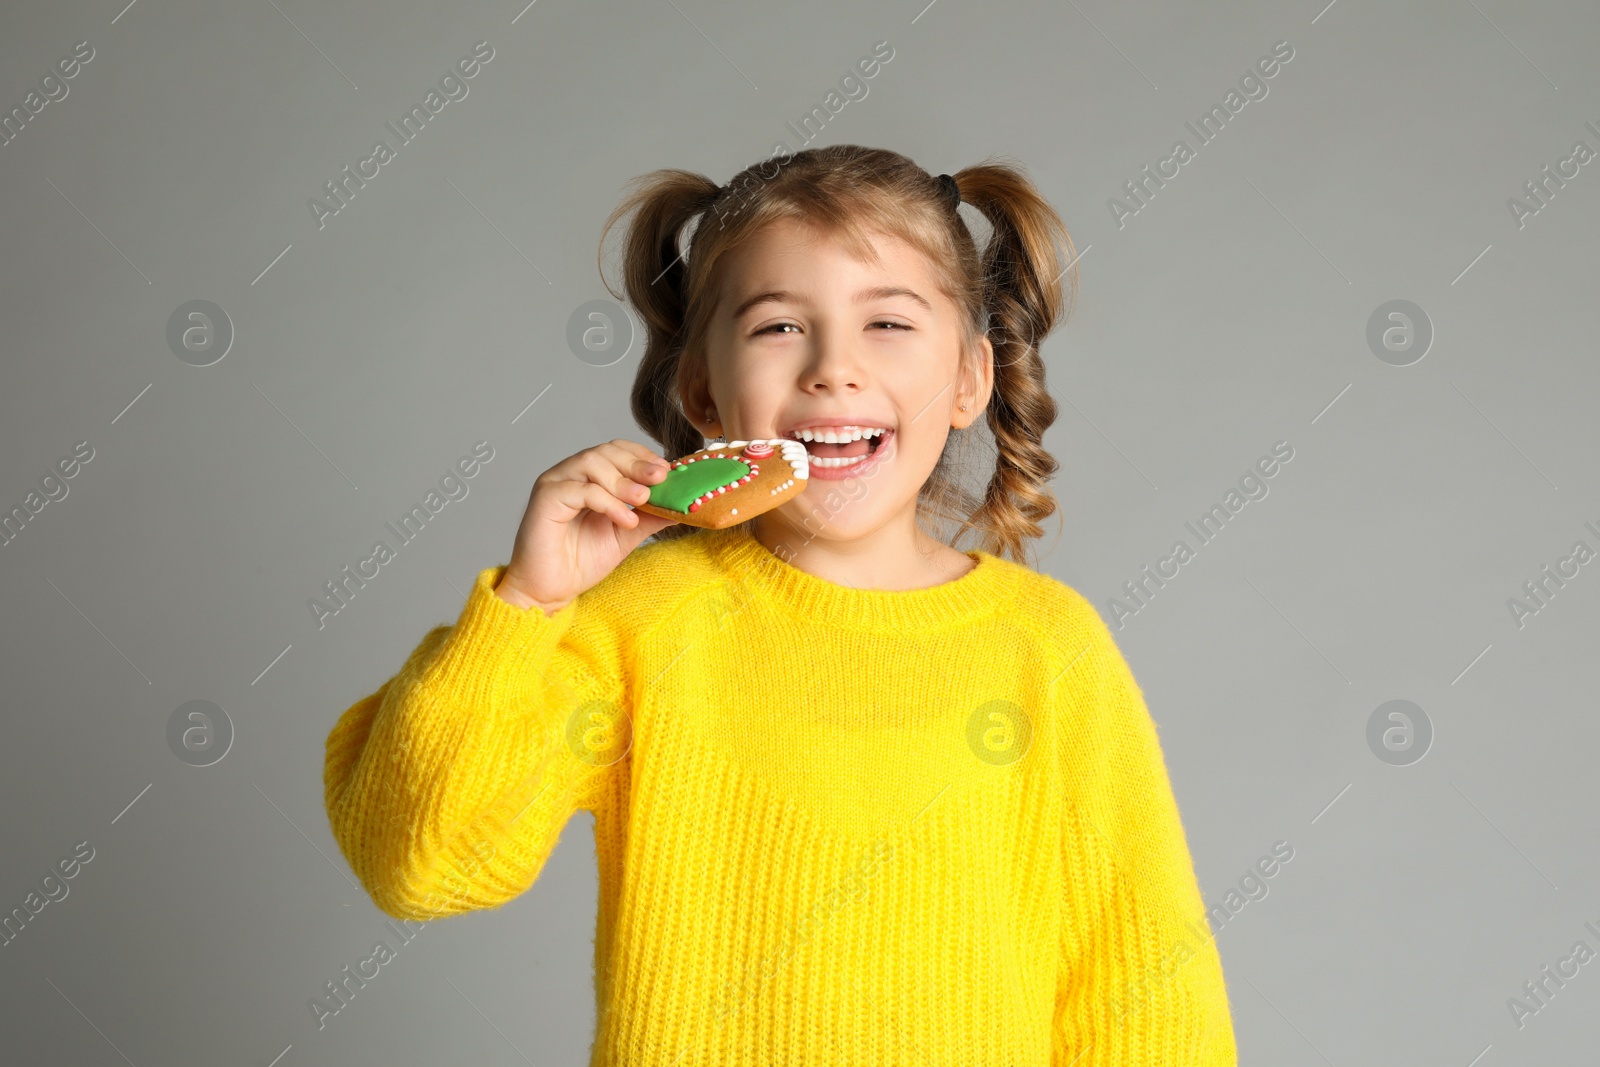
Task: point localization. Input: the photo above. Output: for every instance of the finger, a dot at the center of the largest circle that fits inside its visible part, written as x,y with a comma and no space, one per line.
597,498
635,448
578,461
599,465
572,497
636,461
629,538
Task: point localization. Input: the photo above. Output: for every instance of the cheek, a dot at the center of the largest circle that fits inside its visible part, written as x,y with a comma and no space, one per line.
758,394
921,443
927,448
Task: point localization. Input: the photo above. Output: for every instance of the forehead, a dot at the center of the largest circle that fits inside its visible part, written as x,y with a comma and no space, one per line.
791,247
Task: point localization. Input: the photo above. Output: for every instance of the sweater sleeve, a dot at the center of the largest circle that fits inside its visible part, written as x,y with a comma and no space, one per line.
448,787
1140,980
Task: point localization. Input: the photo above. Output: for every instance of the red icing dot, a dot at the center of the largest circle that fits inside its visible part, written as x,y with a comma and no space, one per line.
695,506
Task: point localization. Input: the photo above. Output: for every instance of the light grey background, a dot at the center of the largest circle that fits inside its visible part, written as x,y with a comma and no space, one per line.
1230,313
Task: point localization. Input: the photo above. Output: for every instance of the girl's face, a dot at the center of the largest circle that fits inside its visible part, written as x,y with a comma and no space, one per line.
808,342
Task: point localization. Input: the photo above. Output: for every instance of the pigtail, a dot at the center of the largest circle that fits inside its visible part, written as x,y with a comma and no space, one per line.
655,277
1025,298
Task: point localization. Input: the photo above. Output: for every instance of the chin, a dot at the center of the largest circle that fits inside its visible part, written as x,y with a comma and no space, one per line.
823,513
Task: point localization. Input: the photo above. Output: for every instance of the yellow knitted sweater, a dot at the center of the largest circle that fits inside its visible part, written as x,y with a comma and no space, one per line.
833,826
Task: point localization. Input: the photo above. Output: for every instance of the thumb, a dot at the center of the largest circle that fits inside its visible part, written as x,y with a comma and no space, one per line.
628,539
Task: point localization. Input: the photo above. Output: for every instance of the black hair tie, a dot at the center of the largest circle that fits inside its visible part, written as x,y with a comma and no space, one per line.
952,191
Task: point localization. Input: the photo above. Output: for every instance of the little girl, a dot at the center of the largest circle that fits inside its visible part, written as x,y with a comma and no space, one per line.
858,797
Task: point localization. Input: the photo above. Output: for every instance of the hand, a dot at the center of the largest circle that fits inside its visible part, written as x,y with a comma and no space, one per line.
579,525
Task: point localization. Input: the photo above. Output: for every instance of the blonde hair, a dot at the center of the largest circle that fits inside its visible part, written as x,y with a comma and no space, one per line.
1012,292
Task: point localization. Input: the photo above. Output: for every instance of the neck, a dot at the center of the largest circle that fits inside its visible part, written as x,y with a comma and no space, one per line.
897,555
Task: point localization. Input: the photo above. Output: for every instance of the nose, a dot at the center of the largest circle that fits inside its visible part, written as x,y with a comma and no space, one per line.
834,367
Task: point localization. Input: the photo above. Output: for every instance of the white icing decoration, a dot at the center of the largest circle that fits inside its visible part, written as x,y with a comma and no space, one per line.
795,453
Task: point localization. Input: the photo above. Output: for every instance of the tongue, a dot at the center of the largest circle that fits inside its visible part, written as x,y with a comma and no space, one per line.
824,450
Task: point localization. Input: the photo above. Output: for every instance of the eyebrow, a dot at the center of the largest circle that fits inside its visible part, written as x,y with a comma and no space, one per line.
881,292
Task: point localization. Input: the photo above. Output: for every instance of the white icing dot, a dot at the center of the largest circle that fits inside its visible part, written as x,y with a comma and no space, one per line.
735,511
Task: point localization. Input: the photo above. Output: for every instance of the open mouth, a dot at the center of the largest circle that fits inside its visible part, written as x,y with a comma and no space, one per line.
841,454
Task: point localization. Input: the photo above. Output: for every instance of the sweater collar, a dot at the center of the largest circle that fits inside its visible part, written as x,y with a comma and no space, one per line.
986,588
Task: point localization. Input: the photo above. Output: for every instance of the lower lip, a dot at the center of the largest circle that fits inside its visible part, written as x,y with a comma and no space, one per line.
867,462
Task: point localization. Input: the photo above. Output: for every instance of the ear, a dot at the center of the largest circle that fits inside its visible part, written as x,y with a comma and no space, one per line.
696,398
975,387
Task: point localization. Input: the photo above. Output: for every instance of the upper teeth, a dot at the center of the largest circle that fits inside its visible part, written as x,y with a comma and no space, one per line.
838,435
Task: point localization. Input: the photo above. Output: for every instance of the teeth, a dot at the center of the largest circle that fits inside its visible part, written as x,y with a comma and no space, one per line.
837,435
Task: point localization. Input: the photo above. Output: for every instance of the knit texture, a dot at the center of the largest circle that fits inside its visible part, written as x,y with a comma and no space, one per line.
833,825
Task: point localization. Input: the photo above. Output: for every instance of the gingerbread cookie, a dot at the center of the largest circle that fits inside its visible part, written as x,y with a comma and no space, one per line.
729,482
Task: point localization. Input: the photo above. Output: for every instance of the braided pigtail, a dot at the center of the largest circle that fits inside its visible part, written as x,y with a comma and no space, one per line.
1025,298
655,277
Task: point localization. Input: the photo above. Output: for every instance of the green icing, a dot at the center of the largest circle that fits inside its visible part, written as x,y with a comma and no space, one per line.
688,483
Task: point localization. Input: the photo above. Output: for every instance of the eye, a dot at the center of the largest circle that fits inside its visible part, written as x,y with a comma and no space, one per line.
779,325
